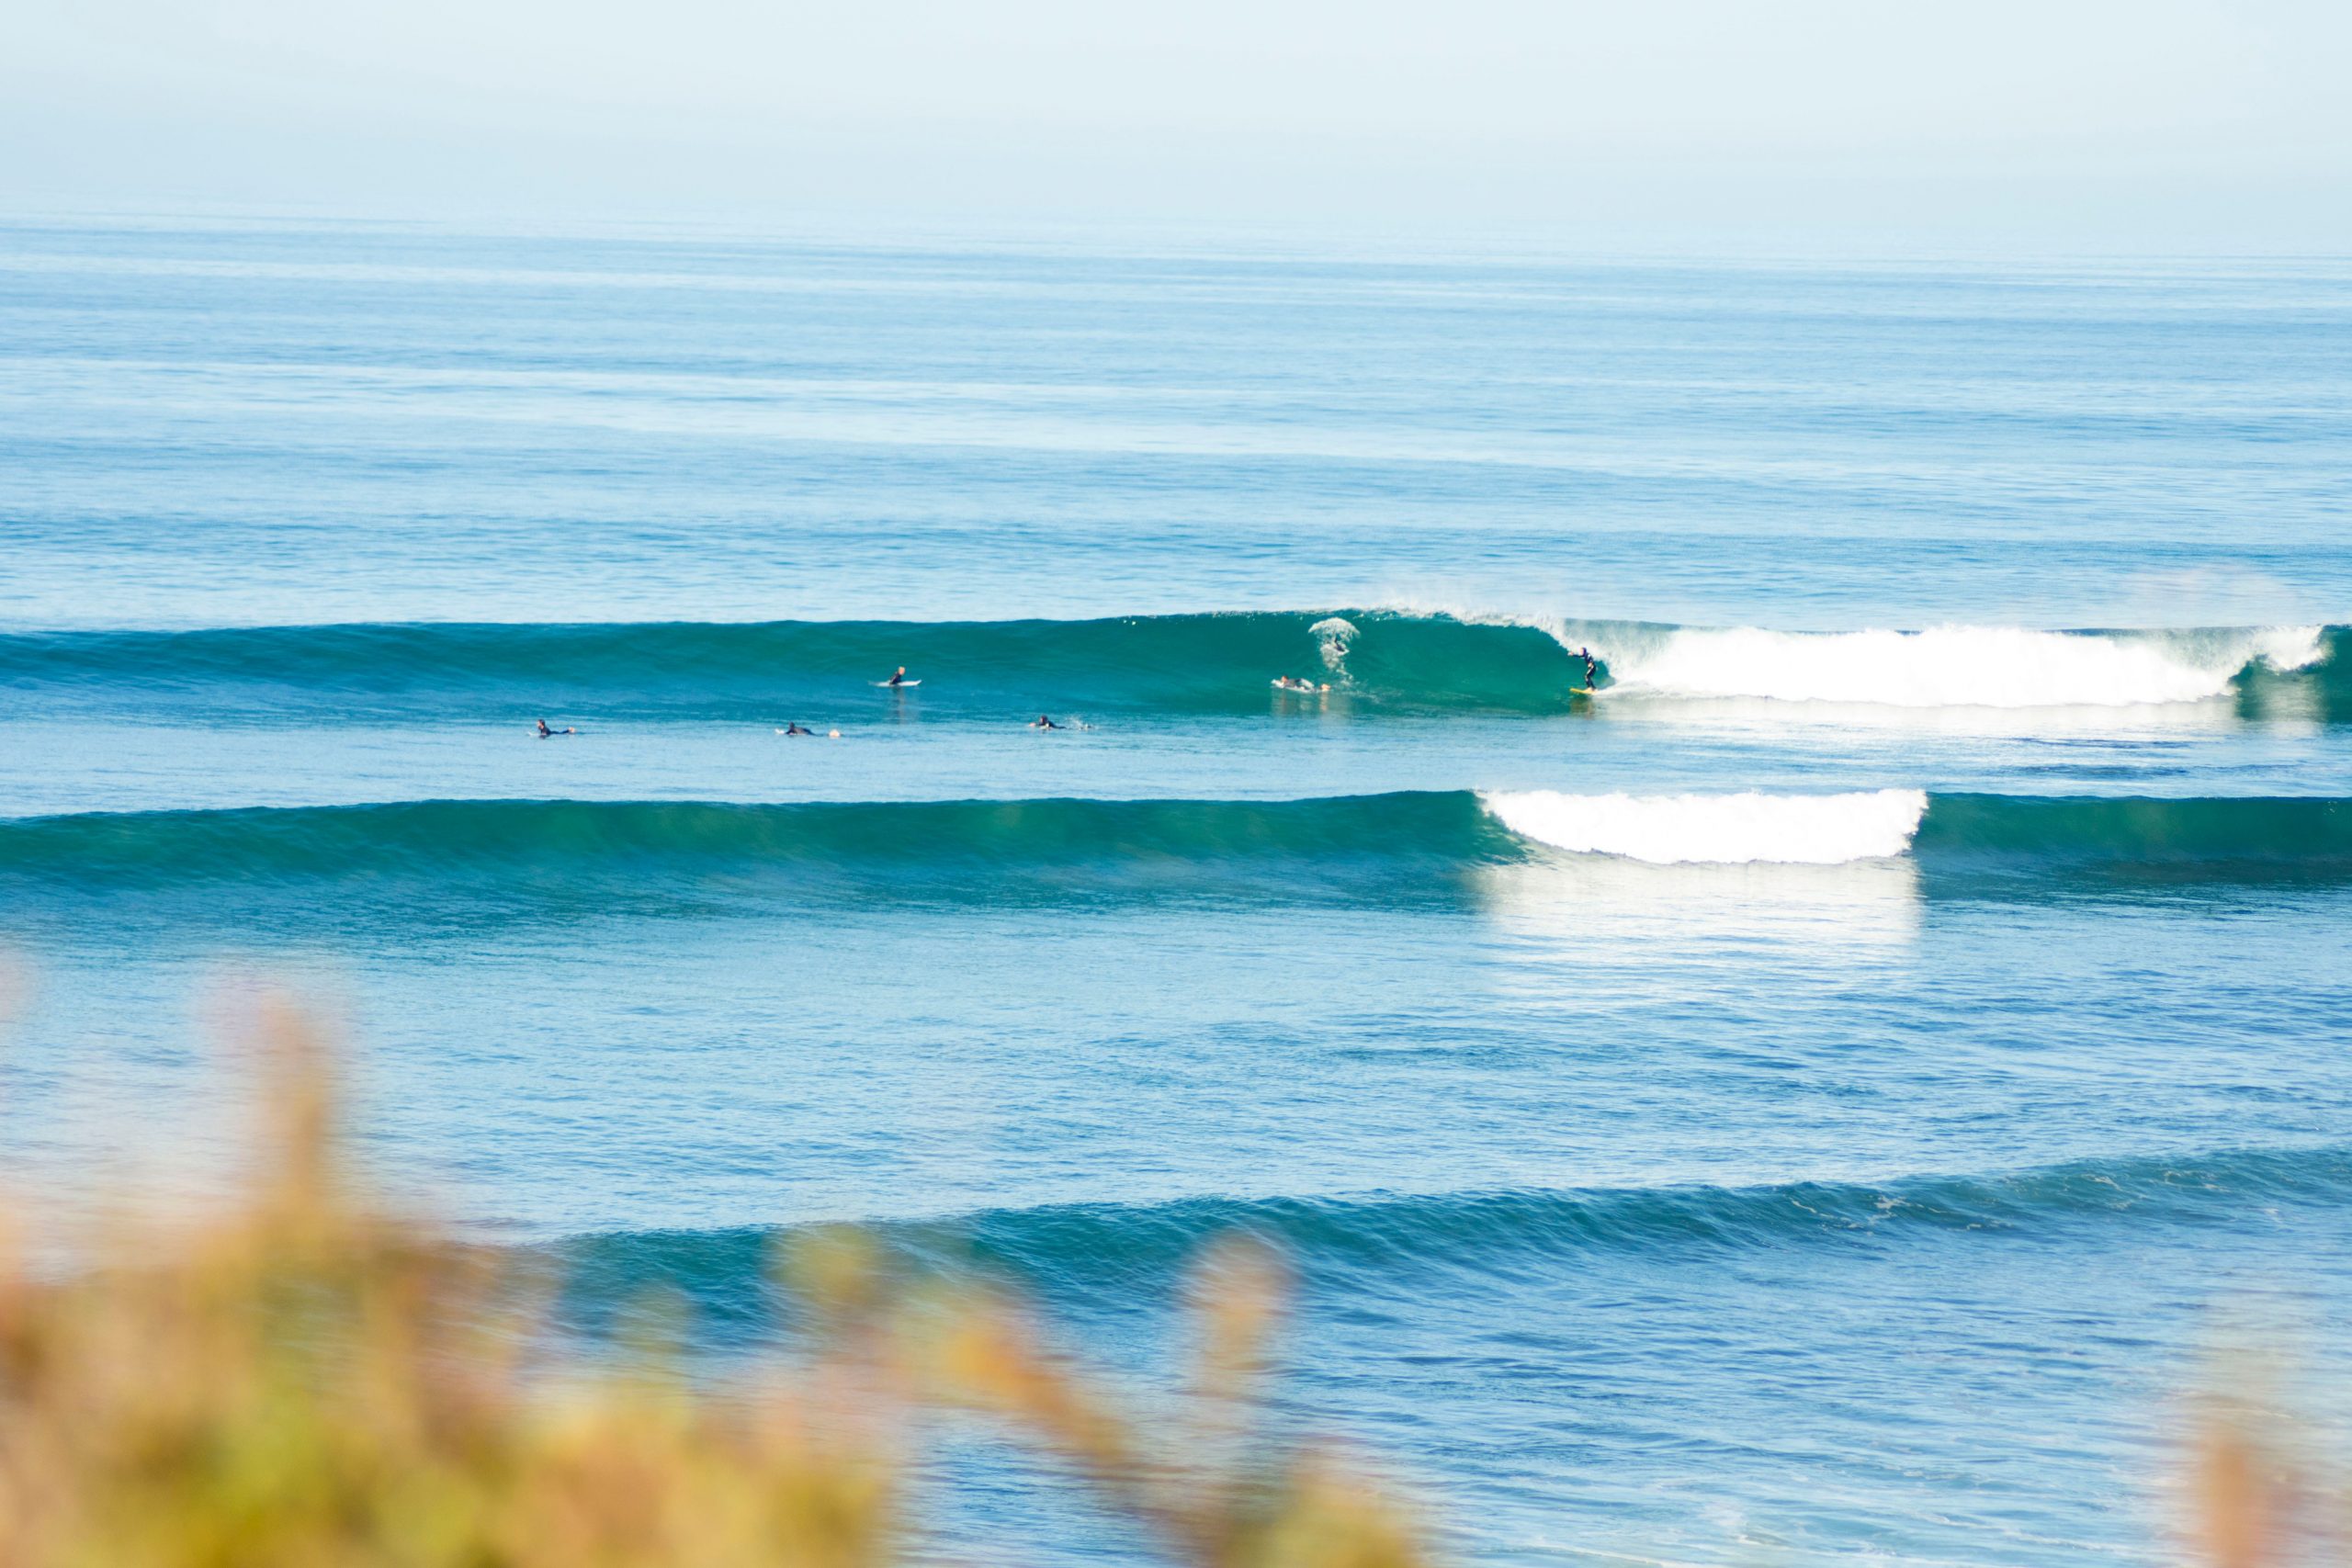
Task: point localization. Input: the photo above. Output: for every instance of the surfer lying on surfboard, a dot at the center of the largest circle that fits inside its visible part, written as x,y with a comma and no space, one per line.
547,734
1043,722
1297,683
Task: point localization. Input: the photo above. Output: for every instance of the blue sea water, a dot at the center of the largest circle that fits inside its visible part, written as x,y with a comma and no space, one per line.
1832,1093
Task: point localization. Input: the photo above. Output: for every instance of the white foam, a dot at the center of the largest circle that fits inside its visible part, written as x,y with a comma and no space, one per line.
1334,636
2007,667
1719,829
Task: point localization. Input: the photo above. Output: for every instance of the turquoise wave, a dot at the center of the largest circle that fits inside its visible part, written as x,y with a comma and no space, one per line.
1204,663
1381,1242
1403,839
1373,660
2198,836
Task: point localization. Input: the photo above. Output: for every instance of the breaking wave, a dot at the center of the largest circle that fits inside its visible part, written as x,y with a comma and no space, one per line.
1374,661
1718,830
2005,667
1326,847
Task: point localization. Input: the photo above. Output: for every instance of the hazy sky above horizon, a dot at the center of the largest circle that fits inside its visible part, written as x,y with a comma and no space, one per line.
2165,125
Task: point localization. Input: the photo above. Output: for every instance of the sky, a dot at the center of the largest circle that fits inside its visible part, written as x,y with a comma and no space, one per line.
2168,126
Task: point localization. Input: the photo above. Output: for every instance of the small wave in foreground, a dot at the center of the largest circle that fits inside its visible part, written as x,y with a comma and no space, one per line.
1379,1240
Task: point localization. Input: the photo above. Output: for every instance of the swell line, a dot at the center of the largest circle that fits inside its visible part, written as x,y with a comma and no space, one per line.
1376,1239
1318,847
1373,661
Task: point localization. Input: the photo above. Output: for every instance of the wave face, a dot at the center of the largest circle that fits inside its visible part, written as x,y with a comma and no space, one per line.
2005,667
1374,661
1210,663
524,845
1377,1242
2261,838
1339,847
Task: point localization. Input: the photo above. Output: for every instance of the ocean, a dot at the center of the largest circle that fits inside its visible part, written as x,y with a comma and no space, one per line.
1842,1090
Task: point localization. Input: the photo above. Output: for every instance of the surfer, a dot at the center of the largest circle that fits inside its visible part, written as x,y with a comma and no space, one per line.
1043,722
898,677
547,734
795,728
1590,667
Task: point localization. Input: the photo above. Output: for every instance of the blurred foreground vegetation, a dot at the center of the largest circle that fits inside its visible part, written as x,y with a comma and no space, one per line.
300,1381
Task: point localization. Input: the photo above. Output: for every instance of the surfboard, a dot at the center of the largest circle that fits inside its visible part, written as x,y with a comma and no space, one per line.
1583,691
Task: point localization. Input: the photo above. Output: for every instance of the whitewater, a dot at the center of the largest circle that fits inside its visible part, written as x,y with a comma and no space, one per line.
2003,666
1711,1116
1401,660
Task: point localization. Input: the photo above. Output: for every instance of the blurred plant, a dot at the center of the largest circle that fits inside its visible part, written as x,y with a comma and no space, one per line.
303,1381
2255,1493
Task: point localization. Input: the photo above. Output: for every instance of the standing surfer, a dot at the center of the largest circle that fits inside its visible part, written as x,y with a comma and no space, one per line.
1590,669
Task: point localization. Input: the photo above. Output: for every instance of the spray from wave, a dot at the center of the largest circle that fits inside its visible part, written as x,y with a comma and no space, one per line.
1334,636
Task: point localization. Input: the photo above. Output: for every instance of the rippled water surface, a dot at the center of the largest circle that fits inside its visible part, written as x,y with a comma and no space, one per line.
1825,1092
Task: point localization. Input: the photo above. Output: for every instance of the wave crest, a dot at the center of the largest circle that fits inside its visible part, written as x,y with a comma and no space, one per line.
1374,1239
1720,830
1308,849
2005,667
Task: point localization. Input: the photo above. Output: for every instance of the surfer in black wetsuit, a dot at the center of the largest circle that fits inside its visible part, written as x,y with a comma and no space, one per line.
795,728
547,734
898,678
1043,722
1590,667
